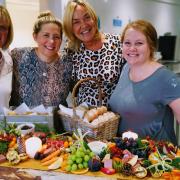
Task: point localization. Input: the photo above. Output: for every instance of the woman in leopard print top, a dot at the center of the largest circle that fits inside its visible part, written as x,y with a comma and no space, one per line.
42,75
97,55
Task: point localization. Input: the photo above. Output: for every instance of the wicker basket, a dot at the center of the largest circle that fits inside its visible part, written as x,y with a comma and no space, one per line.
106,130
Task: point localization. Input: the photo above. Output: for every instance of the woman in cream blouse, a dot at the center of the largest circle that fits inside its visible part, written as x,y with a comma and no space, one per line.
6,36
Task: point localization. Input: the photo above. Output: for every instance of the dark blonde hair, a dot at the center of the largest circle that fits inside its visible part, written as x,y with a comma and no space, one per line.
5,17
46,18
148,30
74,42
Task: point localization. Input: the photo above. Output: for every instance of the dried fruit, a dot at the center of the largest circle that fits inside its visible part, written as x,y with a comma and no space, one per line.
140,172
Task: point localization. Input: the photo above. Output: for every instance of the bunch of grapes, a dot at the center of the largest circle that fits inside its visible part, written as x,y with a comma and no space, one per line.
78,158
141,152
126,143
133,146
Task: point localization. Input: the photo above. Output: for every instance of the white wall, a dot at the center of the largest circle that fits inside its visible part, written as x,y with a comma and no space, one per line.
164,16
23,14
52,5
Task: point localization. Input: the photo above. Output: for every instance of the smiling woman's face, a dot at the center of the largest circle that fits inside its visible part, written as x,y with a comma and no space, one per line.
135,47
48,40
83,25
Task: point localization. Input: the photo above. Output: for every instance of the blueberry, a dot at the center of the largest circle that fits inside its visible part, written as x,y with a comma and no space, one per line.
134,151
134,144
128,145
131,140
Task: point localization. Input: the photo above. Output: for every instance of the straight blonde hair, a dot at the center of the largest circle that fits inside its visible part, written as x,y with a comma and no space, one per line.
73,41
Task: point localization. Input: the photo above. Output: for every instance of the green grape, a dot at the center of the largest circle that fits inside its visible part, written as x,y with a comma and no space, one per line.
73,149
78,153
91,154
88,151
70,161
80,166
79,160
82,154
86,158
81,149
85,164
73,157
74,167
68,168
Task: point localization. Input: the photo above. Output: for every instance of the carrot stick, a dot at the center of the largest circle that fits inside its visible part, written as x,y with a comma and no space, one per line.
50,156
47,163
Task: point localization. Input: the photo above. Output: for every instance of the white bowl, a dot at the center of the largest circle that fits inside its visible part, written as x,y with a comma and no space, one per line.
97,146
26,130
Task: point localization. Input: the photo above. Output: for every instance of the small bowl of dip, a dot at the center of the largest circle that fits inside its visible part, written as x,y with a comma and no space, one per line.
26,128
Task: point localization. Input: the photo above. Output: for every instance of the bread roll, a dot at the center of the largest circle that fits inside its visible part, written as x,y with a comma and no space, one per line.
91,114
101,110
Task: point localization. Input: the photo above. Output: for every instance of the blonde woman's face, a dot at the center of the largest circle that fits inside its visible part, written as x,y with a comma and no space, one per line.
48,40
4,29
83,25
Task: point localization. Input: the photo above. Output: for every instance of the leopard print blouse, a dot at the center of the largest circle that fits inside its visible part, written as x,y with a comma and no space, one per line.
104,64
36,82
